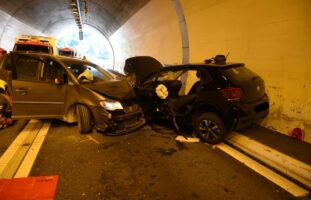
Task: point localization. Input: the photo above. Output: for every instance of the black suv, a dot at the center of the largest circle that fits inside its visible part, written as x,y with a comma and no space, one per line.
210,97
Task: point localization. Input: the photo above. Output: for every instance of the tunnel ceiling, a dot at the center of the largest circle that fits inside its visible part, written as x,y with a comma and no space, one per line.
50,16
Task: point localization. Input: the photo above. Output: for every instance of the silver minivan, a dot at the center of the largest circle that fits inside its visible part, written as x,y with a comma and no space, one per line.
44,86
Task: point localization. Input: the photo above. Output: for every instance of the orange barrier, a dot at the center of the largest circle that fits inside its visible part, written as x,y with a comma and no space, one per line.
35,188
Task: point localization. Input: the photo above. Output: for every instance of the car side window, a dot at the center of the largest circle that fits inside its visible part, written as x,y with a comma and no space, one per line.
25,68
52,70
191,83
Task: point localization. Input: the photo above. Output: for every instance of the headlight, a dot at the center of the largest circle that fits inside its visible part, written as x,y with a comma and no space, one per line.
111,105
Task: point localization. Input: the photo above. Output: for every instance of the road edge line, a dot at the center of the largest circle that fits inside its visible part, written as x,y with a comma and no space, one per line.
282,182
16,144
27,163
275,159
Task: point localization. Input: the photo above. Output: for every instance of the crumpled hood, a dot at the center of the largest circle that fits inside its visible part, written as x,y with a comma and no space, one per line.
141,66
115,89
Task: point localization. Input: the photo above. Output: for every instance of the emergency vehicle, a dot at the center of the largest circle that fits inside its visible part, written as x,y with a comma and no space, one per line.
65,51
31,43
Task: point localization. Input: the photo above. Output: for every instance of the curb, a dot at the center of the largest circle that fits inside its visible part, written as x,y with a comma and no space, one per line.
281,162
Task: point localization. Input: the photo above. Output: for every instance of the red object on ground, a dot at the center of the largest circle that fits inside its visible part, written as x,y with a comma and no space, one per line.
297,133
30,188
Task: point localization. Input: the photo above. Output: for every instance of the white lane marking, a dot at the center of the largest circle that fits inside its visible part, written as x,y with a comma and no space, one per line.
262,170
283,163
32,154
17,145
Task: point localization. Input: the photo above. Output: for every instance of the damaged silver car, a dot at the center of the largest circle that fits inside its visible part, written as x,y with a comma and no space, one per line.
74,90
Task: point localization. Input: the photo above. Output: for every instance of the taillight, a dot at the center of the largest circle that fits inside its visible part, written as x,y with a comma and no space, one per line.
232,93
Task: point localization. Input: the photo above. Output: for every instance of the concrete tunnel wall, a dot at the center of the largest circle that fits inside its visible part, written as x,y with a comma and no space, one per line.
272,37
11,28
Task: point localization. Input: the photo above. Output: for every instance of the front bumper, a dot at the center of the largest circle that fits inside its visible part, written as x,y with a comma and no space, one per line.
249,113
120,122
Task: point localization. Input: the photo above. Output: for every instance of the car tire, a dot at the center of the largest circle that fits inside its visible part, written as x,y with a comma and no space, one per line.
84,119
209,128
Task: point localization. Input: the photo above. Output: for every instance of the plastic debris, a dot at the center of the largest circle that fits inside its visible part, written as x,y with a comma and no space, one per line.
187,139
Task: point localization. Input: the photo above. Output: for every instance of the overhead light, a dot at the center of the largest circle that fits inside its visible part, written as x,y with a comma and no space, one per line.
75,9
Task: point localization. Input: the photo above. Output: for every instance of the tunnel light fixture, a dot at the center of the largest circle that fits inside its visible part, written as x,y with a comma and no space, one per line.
75,9
85,8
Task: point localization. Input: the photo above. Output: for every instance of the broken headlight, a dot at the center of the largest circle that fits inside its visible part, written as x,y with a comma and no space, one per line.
111,105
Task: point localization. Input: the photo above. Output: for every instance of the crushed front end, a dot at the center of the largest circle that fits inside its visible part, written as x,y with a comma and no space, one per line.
120,121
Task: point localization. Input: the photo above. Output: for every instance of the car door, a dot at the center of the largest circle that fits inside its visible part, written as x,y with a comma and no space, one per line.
35,95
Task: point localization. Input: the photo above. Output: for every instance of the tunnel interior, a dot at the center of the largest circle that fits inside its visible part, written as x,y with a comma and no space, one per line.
272,37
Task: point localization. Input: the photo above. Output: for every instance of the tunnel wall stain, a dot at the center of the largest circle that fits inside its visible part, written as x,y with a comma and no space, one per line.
272,37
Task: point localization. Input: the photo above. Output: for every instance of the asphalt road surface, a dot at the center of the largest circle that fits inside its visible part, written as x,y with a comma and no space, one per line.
145,165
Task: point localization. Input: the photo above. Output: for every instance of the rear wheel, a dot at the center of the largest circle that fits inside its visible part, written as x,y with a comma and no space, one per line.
209,128
84,119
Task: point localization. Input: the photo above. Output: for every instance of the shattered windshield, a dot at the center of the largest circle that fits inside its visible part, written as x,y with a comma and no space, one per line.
170,75
87,72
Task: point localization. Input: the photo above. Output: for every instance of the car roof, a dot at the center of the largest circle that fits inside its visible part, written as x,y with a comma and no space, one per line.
204,65
71,59
66,49
62,58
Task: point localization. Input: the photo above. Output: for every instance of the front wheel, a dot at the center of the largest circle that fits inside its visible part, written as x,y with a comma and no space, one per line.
209,128
84,119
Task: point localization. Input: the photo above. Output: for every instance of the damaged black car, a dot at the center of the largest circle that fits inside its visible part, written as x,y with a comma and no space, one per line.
73,90
208,98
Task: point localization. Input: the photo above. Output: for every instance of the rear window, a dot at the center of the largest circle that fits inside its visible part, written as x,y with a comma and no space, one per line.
35,48
238,74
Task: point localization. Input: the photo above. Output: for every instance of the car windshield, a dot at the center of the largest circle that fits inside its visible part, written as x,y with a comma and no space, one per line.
170,75
239,74
87,72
